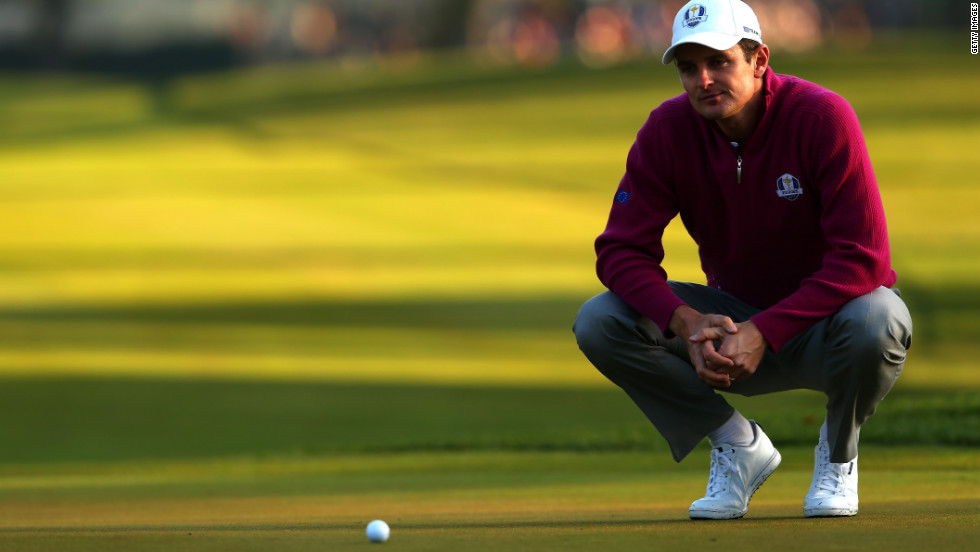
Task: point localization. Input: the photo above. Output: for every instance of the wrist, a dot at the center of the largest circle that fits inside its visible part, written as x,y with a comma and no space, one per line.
682,321
757,334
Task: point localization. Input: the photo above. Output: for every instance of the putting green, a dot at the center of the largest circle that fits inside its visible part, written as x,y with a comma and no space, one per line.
912,499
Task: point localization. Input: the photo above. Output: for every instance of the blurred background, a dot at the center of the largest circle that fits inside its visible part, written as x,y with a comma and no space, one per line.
244,227
147,37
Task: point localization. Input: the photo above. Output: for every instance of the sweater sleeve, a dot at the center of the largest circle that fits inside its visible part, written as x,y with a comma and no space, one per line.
857,258
630,250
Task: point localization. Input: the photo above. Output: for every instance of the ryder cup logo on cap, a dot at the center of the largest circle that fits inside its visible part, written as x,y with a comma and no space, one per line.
717,24
694,15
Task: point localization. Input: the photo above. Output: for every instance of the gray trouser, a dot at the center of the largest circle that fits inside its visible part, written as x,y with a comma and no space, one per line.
853,356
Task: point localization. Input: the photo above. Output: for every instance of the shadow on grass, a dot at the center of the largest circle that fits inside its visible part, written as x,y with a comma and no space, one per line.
233,103
481,313
229,107
929,305
90,419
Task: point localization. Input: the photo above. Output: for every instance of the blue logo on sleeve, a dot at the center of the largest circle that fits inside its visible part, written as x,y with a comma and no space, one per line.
622,196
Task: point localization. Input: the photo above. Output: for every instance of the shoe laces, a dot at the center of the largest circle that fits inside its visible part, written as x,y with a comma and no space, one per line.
831,476
722,467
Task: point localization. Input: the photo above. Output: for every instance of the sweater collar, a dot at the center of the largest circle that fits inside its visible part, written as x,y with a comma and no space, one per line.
770,87
770,84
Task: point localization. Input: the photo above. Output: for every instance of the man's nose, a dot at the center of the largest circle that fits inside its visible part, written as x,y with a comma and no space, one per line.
704,78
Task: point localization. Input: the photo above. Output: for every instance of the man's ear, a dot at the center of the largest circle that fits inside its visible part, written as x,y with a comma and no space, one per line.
761,61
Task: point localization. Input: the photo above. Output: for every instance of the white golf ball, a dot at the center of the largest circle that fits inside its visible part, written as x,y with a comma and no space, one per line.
378,531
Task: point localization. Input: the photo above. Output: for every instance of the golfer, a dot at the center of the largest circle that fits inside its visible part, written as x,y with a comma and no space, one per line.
771,177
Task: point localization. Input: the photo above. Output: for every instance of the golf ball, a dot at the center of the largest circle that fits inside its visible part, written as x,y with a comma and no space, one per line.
378,531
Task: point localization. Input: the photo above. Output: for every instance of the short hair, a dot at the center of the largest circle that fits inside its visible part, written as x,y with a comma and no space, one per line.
749,47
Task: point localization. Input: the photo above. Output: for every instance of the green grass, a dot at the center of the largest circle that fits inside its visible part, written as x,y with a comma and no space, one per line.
486,501
289,305
108,420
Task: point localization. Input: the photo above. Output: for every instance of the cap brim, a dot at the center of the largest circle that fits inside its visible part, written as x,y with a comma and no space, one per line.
714,41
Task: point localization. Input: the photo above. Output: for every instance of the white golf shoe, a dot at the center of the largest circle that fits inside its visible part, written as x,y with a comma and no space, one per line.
736,473
834,489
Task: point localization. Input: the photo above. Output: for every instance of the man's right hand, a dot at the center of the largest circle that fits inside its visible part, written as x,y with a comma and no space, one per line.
690,325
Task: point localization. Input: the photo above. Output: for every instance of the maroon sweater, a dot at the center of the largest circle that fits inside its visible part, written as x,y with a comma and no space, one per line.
790,222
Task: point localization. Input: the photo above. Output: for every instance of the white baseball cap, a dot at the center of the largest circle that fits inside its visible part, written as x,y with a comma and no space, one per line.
717,24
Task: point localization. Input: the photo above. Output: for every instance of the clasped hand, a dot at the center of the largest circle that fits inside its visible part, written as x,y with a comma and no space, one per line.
722,351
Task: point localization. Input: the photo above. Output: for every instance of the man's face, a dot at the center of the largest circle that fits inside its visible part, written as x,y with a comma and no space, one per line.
718,83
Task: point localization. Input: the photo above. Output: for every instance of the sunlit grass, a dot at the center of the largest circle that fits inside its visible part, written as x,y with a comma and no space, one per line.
484,183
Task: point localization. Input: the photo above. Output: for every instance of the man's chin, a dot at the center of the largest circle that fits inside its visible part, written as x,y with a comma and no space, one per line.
713,113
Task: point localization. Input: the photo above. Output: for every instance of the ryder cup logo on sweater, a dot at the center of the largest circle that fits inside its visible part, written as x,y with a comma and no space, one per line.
622,196
788,186
694,15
